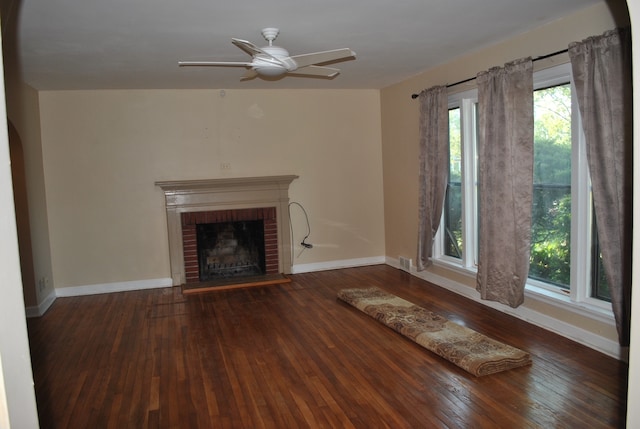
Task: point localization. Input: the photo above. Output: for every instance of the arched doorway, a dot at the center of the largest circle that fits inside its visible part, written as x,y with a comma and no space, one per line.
18,176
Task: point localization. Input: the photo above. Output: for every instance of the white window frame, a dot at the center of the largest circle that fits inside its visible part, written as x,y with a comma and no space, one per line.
579,293
466,101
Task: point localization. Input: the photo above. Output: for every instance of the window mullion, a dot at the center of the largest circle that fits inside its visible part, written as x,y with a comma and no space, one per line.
469,179
580,214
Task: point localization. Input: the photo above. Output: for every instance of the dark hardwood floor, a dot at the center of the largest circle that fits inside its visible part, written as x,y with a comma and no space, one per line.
293,356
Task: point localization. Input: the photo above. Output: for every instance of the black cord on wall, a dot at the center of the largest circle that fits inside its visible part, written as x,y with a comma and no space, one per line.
303,243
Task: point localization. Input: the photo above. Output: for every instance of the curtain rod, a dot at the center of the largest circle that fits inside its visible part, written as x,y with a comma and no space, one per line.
542,57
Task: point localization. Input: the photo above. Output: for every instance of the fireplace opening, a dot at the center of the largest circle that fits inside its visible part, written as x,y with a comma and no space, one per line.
230,249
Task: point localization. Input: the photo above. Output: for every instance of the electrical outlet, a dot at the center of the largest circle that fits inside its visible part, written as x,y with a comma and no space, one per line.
225,166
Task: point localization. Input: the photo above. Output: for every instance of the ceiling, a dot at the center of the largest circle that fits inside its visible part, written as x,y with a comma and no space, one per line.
136,44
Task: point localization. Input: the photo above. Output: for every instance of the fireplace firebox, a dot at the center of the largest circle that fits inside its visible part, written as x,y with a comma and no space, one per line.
230,250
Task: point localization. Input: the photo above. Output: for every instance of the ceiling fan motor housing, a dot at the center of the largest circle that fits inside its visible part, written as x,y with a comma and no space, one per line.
279,62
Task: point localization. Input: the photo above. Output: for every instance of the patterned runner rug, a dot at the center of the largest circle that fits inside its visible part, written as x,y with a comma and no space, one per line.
468,349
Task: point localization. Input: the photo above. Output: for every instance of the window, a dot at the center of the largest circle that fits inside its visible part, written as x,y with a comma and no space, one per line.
453,243
550,260
565,258
456,241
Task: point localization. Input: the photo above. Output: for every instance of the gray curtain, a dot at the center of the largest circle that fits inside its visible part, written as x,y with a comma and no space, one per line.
505,186
602,75
434,168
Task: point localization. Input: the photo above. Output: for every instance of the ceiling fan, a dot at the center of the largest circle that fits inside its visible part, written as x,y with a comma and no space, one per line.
274,61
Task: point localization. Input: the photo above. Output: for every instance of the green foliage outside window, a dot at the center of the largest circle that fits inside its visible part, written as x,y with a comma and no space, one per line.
453,244
551,215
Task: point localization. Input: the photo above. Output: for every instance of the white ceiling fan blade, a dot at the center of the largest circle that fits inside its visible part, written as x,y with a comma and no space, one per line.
323,57
214,63
317,71
248,47
264,55
250,74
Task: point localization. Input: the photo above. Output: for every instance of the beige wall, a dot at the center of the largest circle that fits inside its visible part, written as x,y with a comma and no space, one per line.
103,151
400,136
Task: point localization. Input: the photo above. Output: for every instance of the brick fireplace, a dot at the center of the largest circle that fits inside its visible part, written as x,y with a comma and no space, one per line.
193,202
227,262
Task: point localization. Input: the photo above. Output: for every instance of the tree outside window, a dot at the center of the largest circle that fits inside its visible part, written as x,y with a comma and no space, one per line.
551,217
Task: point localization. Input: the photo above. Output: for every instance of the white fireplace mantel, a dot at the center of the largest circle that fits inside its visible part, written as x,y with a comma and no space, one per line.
183,196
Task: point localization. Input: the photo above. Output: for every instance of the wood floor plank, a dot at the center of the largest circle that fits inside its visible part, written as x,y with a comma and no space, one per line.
293,356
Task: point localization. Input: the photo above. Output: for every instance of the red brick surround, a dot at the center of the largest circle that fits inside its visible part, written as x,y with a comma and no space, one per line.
189,221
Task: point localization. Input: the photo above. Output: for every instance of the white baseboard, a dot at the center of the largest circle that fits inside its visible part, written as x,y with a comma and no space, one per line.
589,339
114,287
40,309
575,333
334,265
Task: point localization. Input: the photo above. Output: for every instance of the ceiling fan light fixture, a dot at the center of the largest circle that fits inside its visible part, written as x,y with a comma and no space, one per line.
270,70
